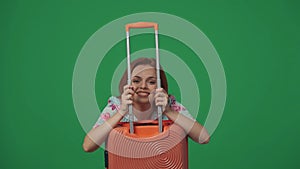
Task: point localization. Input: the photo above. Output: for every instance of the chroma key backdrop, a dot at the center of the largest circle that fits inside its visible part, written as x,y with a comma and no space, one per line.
241,79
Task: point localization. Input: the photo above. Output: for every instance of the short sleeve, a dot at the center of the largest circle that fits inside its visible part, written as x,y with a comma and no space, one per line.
111,108
176,106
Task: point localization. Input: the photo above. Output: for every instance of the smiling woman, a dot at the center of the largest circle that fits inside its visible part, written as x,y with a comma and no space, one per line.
144,96
144,83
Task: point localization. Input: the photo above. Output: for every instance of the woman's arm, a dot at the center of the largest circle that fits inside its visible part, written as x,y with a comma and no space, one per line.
195,130
98,135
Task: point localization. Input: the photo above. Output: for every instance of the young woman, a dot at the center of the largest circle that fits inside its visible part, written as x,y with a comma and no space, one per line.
144,97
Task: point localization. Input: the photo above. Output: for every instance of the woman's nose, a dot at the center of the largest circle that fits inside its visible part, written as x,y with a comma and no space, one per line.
144,84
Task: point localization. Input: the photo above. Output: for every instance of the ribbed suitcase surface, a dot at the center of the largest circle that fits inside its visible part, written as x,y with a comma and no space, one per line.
147,148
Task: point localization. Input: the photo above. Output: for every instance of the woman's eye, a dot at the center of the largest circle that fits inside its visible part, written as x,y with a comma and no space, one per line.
135,81
152,82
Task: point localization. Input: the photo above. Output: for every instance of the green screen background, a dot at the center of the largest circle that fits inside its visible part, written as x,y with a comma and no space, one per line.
258,44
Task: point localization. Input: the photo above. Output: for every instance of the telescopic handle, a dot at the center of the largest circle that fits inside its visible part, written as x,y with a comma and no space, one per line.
142,25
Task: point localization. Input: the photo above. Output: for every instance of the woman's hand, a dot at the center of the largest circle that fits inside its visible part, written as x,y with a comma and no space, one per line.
161,98
126,99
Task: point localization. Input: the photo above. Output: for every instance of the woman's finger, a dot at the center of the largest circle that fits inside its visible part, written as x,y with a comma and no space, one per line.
125,87
161,90
160,94
129,97
161,101
128,91
128,87
161,104
128,102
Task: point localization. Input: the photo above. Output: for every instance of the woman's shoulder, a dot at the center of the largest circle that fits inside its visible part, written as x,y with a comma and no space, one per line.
174,104
114,100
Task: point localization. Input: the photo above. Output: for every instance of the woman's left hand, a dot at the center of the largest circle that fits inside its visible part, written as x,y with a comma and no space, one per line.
161,98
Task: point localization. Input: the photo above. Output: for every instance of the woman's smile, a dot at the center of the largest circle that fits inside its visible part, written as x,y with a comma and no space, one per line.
142,93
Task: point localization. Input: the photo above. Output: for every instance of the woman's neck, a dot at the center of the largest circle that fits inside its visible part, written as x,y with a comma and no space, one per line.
143,111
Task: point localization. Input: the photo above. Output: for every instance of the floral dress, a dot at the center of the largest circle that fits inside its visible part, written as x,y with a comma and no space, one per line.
114,105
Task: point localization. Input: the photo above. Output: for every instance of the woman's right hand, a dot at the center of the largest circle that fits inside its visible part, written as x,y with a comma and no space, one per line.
126,99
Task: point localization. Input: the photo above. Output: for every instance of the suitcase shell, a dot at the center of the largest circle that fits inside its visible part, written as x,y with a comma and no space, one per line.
147,148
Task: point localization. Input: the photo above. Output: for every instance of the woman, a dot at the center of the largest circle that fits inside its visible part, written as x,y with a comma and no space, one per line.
144,97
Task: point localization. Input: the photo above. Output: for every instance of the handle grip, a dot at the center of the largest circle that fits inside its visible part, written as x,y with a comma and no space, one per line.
141,25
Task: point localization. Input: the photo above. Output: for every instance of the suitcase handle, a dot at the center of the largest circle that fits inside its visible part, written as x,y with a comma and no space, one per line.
141,25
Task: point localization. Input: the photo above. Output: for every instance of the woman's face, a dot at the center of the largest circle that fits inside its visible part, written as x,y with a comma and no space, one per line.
143,80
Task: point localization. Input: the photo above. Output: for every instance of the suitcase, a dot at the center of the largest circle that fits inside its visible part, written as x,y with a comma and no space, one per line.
146,144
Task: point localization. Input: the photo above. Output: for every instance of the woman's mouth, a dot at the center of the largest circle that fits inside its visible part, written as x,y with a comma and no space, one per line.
142,94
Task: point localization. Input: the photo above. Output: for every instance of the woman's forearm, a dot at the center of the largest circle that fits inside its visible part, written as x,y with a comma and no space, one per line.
98,135
195,130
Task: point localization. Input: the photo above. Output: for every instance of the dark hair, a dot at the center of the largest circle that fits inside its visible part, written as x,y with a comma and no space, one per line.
144,61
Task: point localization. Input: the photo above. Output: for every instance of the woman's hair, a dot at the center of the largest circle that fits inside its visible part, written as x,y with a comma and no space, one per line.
144,61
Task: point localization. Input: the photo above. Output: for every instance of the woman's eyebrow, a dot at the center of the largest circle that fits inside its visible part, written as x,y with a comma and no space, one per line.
137,77
151,77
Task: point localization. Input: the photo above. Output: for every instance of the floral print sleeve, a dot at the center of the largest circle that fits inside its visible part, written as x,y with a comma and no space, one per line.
114,103
112,107
176,106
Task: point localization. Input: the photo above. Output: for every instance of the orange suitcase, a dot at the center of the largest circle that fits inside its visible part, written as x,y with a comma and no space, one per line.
147,144
147,148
